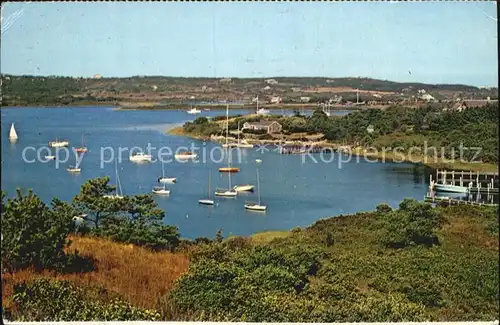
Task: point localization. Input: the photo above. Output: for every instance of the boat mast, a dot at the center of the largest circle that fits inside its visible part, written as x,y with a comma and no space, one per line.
118,179
209,189
258,186
238,132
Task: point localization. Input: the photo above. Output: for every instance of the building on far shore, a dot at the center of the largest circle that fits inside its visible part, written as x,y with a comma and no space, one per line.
305,99
275,100
269,126
271,82
97,76
464,104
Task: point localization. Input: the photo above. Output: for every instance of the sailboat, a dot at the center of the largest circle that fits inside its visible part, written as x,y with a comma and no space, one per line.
243,143
161,190
74,169
58,144
228,169
193,110
119,186
164,179
256,206
82,148
208,201
13,134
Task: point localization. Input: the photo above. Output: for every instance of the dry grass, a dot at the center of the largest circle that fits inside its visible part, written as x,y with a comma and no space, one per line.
138,275
266,237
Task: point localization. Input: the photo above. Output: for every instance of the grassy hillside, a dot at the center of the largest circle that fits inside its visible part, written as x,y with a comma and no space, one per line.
136,274
54,90
342,270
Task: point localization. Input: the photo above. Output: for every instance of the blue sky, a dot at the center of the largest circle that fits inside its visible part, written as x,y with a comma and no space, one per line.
439,42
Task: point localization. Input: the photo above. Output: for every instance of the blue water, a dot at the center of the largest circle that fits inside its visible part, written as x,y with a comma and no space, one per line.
296,193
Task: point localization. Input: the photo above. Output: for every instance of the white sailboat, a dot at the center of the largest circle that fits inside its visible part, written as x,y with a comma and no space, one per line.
140,157
119,193
208,201
161,190
256,206
76,168
12,133
58,144
228,169
193,110
229,192
164,179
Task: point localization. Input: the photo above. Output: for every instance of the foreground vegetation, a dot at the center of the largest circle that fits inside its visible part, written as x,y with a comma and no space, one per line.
416,263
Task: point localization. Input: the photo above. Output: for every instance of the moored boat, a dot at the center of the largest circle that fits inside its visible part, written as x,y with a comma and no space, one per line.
58,144
186,155
193,110
450,188
74,169
256,206
243,188
140,157
161,190
50,157
208,201
226,192
118,194
229,169
12,133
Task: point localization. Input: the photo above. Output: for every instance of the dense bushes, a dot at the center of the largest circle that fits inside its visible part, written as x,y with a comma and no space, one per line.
414,223
51,300
34,235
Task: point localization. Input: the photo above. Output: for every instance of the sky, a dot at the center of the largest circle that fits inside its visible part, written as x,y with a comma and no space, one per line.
431,42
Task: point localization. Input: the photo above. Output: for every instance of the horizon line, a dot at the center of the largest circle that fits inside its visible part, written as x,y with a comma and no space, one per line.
229,77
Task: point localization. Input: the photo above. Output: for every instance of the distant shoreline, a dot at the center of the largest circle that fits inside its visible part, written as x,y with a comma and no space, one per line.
481,167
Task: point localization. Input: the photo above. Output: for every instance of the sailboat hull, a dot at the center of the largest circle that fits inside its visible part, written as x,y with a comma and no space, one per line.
255,207
206,202
161,191
243,188
229,169
226,193
166,180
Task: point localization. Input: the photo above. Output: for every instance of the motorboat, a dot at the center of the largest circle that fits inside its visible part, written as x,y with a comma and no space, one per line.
58,144
186,155
243,188
140,157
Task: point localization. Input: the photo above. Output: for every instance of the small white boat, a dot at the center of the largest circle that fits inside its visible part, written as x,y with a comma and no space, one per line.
140,157
58,144
73,169
161,190
256,206
225,192
166,180
243,188
450,188
263,111
193,110
50,157
119,193
186,156
229,145
206,109
258,161
208,201
12,133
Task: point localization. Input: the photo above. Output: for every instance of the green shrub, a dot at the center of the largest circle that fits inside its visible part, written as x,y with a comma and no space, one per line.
52,300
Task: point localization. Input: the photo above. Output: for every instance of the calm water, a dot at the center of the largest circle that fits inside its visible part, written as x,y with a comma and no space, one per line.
296,193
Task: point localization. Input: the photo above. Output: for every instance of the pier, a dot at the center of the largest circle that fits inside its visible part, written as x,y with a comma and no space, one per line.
477,188
478,182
